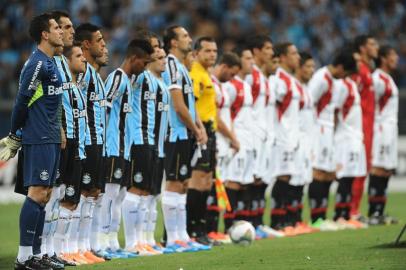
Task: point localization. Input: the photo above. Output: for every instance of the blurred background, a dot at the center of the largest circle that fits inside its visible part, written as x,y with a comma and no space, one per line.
316,26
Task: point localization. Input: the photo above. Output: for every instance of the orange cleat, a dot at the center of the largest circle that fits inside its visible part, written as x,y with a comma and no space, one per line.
90,256
68,257
78,257
289,231
357,224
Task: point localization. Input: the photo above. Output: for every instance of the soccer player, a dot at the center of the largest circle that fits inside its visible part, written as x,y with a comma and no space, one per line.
226,140
321,88
203,172
349,150
184,128
35,126
384,161
92,43
240,167
303,75
367,47
287,134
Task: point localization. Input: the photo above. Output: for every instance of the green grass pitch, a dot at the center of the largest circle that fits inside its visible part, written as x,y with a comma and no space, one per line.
359,249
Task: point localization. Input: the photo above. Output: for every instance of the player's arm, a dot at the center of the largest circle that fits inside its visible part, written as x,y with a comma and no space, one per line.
228,133
316,88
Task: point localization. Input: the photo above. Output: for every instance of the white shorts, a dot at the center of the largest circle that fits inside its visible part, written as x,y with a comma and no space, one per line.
285,161
259,156
268,162
305,169
323,145
241,167
350,157
385,146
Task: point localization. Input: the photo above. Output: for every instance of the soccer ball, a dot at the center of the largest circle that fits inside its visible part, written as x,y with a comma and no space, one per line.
242,232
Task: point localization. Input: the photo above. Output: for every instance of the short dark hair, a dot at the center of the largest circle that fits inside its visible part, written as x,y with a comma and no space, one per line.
361,40
345,57
139,47
39,24
304,56
169,34
58,14
382,53
67,51
84,32
143,33
230,59
241,47
282,48
198,43
257,41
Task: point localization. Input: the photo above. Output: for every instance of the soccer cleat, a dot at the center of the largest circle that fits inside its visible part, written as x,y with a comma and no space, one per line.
116,255
357,224
68,258
304,228
382,220
102,254
61,260
199,246
127,253
78,257
33,263
176,248
344,224
152,250
89,255
162,249
289,231
272,233
325,225
51,263
260,234
186,246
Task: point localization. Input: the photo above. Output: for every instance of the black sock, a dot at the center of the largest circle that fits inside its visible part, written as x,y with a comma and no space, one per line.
243,204
203,213
229,216
212,211
278,212
343,198
36,247
260,196
377,194
193,200
299,198
294,205
317,199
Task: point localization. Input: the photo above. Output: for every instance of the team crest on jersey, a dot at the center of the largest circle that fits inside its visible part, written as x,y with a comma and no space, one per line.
44,175
70,191
86,178
118,173
138,177
183,170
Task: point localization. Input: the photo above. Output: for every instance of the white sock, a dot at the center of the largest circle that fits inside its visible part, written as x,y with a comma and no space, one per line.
24,253
62,231
85,222
181,218
89,227
111,192
151,222
130,213
95,229
74,234
140,222
116,218
169,206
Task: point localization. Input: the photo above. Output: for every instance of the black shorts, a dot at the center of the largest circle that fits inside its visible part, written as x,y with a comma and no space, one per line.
177,159
117,170
142,157
207,163
157,175
70,171
92,176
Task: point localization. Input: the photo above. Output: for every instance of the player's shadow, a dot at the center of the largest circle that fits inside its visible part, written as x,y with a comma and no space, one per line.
391,245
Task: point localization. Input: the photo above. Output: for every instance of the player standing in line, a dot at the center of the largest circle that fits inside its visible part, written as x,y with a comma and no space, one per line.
287,135
262,50
203,172
306,126
185,127
226,141
35,126
240,167
349,150
367,47
321,89
384,161
118,167
92,43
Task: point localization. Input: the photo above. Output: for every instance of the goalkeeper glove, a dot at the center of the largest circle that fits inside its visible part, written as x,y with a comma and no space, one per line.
9,146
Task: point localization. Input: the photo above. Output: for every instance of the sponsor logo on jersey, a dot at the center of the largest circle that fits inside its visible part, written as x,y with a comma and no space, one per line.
148,95
78,113
127,108
52,90
163,107
34,82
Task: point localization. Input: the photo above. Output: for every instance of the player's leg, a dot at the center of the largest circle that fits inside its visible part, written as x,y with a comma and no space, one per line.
377,194
343,198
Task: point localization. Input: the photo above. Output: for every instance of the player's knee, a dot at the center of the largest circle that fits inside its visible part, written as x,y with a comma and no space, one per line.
39,194
175,186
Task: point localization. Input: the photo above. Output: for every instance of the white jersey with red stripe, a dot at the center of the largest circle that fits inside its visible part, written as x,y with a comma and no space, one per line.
271,113
260,97
287,109
349,150
385,140
239,92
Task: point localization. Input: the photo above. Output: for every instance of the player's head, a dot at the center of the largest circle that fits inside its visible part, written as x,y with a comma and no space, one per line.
63,19
76,59
150,36
104,59
44,28
228,66
366,45
272,66
344,63
246,58
138,55
177,38
159,62
91,39
387,58
306,67
206,51
261,47
288,55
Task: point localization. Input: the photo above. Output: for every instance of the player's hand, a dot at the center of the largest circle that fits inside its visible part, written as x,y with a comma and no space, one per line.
205,138
235,144
63,139
9,146
199,136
